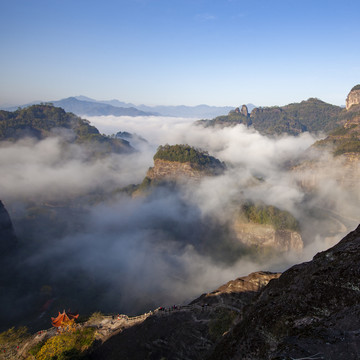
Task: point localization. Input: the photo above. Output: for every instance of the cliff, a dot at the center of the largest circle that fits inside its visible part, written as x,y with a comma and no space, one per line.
353,97
264,227
264,237
174,163
173,170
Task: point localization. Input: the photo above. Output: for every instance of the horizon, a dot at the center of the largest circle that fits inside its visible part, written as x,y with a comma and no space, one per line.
223,53
88,99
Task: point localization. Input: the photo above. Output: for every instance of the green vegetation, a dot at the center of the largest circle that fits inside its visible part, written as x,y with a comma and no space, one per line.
231,119
269,215
96,317
347,147
311,115
314,114
224,319
65,346
186,153
41,121
343,139
340,131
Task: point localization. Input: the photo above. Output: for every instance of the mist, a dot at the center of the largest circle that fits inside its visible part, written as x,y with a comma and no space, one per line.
116,253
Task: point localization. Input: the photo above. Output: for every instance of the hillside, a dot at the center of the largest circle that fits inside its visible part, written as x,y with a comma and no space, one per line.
42,121
307,313
181,332
312,115
346,138
337,156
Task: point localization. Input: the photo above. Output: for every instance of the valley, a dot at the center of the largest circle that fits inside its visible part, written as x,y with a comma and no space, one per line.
151,216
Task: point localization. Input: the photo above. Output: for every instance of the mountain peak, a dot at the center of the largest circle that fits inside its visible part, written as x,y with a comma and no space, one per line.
353,97
178,161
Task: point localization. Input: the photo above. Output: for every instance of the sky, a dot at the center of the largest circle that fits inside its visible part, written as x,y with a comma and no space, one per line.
161,52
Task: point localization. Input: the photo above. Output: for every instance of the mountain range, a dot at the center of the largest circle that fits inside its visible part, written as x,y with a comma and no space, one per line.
89,247
83,105
312,115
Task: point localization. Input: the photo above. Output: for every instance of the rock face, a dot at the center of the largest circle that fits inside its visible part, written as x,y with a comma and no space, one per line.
173,170
7,234
238,292
266,236
354,97
310,312
244,110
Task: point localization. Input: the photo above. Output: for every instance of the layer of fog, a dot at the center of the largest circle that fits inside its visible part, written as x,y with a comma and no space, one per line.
161,249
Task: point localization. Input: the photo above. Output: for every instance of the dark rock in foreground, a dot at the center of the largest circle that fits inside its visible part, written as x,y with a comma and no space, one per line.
311,311
185,332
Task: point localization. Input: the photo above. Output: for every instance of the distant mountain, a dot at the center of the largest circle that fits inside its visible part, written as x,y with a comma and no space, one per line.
200,111
312,115
83,105
90,108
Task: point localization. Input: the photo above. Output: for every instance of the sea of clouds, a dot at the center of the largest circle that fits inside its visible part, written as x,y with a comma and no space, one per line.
163,249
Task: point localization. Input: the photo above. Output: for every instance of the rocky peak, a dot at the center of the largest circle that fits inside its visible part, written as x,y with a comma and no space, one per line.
183,161
244,110
353,97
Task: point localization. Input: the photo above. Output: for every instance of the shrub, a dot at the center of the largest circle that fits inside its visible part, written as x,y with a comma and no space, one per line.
66,346
269,215
185,153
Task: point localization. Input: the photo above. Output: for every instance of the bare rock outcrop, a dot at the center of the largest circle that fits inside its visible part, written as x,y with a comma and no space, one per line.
354,97
173,170
266,236
176,162
185,332
239,292
244,110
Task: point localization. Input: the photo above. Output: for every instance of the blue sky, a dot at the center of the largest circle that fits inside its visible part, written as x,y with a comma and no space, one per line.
171,52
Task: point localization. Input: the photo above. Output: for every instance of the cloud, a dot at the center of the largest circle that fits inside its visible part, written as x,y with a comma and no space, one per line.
48,170
129,254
